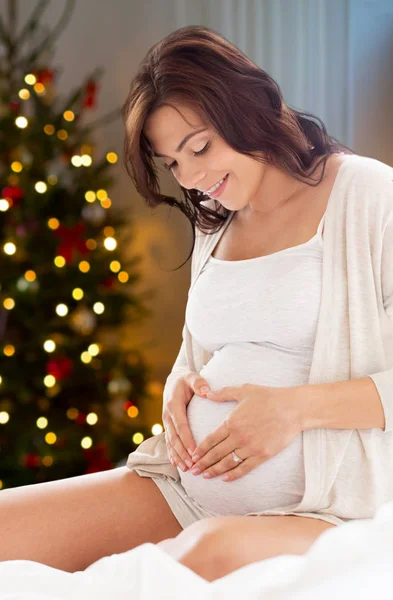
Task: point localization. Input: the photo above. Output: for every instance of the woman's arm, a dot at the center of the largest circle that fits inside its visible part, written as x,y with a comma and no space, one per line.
179,369
352,404
357,403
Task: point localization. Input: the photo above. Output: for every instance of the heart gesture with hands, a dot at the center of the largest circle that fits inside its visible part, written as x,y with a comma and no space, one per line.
266,420
178,437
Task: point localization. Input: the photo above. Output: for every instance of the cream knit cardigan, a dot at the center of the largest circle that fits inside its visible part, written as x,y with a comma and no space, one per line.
349,472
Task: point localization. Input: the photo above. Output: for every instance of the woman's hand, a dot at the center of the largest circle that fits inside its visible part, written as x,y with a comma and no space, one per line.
178,437
265,422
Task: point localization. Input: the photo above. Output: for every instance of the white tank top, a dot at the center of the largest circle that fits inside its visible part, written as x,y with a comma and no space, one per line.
258,318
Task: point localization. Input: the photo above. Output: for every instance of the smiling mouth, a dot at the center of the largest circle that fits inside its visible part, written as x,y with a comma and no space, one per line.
216,185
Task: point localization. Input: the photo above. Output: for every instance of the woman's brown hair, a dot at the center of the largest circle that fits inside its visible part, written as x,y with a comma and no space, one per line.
198,67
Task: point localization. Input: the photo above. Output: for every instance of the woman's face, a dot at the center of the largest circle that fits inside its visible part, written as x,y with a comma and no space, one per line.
205,158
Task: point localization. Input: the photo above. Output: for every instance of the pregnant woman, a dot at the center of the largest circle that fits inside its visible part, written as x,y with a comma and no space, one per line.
284,379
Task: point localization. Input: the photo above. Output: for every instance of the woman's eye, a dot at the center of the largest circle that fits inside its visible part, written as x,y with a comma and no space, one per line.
204,149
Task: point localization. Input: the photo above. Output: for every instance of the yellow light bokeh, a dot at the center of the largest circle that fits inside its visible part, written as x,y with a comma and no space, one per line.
9,350
115,266
47,461
76,160
77,294
86,160
106,203
86,357
90,196
59,261
24,94
93,349
49,129
16,166
30,79
4,417
62,309
52,179
101,194
4,204
50,437
49,346
62,134
21,122
123,277
69,115
132,412
98,308
84,266
41,187
110,243
86,442
42,422
157,429
138,438
53,223
49,381
39,88
91,244
109,231
9,248
112,157
30,275
91,418
72,413
9,303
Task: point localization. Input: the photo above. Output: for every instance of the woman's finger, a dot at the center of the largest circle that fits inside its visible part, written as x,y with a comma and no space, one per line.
183,441
176,448
175,458
180,421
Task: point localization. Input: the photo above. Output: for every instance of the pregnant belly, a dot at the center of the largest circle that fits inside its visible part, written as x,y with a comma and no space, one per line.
279,481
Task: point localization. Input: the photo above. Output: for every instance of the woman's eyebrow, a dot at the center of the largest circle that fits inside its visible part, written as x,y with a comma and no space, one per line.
182,143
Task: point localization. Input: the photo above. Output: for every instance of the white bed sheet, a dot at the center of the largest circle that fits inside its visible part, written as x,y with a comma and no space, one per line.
354,560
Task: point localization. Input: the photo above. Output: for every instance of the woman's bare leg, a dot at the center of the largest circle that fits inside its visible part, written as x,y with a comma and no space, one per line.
70,523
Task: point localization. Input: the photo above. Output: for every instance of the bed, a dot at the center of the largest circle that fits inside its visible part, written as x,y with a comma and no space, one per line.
354,560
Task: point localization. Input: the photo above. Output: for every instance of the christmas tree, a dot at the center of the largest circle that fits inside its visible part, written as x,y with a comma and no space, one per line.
69,391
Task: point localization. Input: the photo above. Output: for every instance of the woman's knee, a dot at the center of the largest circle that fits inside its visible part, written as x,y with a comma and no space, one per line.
204,549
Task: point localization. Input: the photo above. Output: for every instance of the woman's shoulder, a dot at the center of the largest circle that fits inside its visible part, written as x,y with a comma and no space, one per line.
372,182
370,172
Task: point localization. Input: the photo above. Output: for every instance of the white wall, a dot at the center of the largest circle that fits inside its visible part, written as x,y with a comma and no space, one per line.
333,58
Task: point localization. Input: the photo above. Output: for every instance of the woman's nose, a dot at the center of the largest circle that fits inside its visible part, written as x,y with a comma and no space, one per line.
192,179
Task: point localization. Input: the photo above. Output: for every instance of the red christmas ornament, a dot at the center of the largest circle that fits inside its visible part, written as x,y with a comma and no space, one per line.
15,106
71,240
60,367
13,194
98,458
31,460
108,282
44,76
89,101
